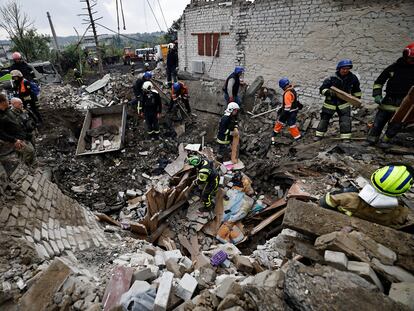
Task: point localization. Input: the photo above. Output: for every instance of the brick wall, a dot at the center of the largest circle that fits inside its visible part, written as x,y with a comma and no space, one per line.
301,39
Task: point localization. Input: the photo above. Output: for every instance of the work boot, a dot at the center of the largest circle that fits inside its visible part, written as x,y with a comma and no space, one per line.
204,209
384,145
317,138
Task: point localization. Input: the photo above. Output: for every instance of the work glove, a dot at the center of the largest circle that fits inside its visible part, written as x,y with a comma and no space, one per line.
378,99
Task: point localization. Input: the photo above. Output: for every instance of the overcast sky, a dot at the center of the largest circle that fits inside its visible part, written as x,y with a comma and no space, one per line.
138,15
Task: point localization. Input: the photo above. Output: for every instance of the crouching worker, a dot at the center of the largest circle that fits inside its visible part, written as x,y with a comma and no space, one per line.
289,111
227,129
376,202
207,180
12,131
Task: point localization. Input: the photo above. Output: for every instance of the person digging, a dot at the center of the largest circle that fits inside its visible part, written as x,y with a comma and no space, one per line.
207,180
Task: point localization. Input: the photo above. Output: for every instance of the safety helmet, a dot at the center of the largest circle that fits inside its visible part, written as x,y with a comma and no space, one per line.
238,69
409,50
176,86
203,175
146,65
344,63
16,73
393,180
147,86
284,82
194,160
232,106
16,56
171,45
147,75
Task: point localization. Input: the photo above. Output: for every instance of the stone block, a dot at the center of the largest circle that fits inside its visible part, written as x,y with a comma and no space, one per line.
149,249
159,259
404,293
186,263
174,267
393,274
364,270
243,264
143,275
174,254
228,286
164,291
269,278
141,259
41,251
336,259
186,287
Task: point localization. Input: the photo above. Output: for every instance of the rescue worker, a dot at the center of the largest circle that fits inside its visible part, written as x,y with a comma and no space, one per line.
399,78
12,131
346,81
232,86
376,202
180,91
78,77
20,65
25,117
289,111
23,89
228,124
137,88
151,109
207,179
146,67
172,64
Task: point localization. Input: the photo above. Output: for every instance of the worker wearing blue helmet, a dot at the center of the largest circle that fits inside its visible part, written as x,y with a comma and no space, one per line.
137,88
346,81
232,86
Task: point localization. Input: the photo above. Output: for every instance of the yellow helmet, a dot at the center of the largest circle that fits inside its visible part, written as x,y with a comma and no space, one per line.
393,180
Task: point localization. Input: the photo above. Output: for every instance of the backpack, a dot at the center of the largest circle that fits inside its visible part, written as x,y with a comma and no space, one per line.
35,88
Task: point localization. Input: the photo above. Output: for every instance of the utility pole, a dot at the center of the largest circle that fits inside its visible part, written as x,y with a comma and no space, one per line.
53,31
92,21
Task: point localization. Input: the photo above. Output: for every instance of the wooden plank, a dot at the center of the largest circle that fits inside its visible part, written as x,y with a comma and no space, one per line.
171,198
276,204
156,234
118,284
267,221
213,226
181,195
151,203
40,295
356,102
106,218
405,112
235,146
262,113
169,211
139,229
187,245
311,219
194,244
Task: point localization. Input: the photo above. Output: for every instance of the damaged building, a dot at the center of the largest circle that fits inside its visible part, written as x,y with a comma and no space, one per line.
302,39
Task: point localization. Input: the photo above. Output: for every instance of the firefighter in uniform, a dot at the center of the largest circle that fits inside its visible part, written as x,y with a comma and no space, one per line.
376,202
346,81
399,78
207,179
137,88
151,109
227,127
289,111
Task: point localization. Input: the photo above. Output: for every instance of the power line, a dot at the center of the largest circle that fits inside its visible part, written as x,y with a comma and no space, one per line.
162,13
154,15
122,35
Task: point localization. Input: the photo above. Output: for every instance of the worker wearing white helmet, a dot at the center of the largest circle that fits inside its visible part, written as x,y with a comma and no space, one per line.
151,109
227,127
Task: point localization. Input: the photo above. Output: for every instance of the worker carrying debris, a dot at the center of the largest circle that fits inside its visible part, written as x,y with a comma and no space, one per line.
20,65
207,179
137,89
376,202
172,64
399,78
232,85
227,129
12,131
78,77
27,91
346,81
151,109
179,91
288,111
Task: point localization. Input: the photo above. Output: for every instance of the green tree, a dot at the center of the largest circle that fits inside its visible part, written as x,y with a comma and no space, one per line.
23,35
171,34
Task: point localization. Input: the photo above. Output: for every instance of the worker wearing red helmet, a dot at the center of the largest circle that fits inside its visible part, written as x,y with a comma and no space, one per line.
399,78
20,65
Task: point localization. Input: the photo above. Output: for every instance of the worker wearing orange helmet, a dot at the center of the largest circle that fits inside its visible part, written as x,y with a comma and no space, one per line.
20,65
399,78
